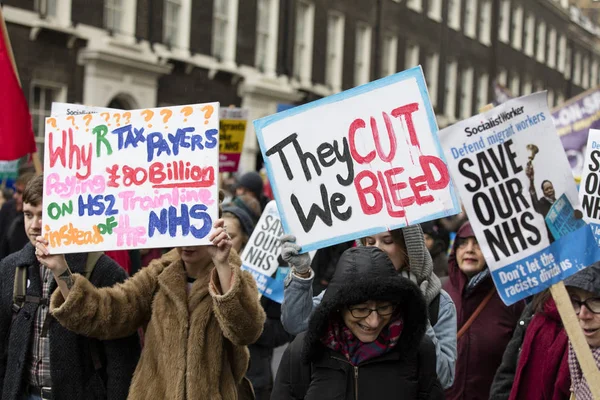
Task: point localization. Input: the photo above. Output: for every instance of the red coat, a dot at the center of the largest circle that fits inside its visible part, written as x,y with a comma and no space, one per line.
481,348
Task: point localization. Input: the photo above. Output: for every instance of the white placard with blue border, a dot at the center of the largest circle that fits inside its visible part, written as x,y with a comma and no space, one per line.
358,162
516,185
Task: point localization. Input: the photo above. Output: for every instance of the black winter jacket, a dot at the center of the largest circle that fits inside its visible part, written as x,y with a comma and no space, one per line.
71,366
408,371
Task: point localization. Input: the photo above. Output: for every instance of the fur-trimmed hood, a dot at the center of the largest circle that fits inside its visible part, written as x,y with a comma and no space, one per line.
366,273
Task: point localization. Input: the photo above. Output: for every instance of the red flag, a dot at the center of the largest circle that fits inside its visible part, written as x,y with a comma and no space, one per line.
16,134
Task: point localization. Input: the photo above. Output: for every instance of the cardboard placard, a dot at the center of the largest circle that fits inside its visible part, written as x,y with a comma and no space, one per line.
131,179
490,156
589,188
358,162
232,130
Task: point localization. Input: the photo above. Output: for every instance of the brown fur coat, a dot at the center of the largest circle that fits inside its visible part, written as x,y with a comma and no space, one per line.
195,346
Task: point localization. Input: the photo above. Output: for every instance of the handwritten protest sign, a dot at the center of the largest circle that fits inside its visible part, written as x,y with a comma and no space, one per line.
509,167
232,129
589,189
260,254
358,162
131,179
573,120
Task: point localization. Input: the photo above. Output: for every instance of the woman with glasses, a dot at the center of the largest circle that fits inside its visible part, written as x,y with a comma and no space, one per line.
584,291
365,340
485,324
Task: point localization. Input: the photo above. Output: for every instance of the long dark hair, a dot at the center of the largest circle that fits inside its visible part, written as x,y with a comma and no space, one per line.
539,300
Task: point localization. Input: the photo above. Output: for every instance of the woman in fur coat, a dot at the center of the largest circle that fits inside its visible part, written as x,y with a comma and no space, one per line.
199,310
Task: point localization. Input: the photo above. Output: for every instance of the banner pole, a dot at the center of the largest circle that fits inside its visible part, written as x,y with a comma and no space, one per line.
35,156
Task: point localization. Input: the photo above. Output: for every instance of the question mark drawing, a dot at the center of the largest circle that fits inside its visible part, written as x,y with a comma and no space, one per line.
72,119
166,113
87,118
118,118
51,121
186,111
106,117
148,114
127,116
208,110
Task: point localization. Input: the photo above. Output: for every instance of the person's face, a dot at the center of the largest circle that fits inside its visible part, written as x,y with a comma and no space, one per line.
194,255
588,321
469,257
18,196
428,242
548,189
234,228
367,328
32,217
385,242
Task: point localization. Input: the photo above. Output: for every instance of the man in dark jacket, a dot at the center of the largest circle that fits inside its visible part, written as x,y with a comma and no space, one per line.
38,357
12,232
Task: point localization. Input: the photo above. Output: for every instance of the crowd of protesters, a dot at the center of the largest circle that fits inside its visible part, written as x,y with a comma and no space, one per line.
410,313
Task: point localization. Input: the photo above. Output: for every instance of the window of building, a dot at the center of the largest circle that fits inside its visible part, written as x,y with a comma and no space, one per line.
529,35
568,64
485,22
515,85
112,15
594,73
551,103
466,93
471,18
432,71
434,10
562,52
362,54
411,57
171,22
454,14
450,89
517,27
303,41
527,86
552,48
220,25
503,77
585,75
46,8
335,51
560,98
504,21
266,35
482,90
577,68
389,56
541,41
416,5
40,103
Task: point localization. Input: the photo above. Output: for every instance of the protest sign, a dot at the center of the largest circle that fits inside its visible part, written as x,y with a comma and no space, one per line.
261,252
589,189
357,163
232,129
9,170
573,120
131,179
60,109
509,168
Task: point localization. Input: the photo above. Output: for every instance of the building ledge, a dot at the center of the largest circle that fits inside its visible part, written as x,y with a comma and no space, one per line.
106,56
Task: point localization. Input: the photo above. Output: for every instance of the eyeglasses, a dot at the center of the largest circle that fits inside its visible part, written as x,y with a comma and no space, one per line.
592,304
363,312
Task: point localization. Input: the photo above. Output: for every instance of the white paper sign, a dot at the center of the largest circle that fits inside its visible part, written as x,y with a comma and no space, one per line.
358,162
589,189
131,179
263,247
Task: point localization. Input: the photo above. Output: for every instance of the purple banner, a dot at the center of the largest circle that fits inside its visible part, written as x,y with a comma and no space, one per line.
573,120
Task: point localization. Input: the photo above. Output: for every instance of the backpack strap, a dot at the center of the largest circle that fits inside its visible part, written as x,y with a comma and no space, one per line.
19,288
300,373
434,310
